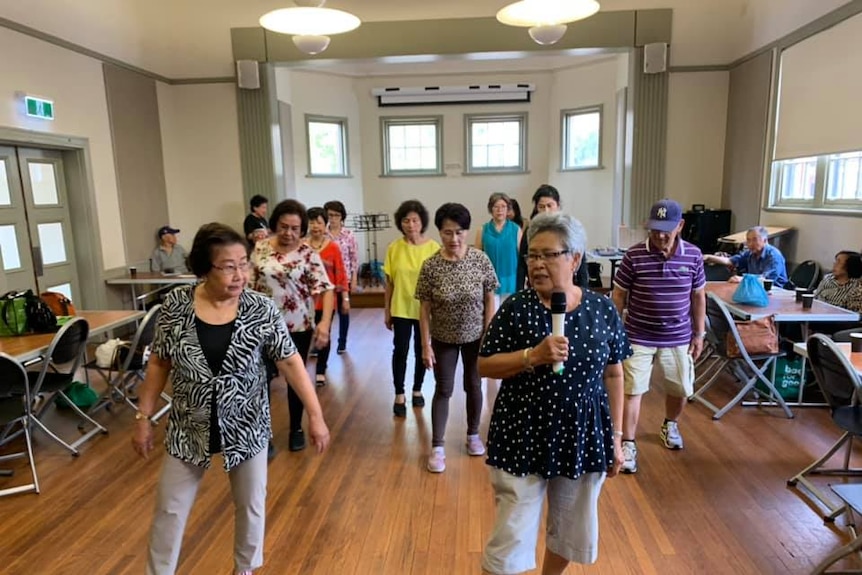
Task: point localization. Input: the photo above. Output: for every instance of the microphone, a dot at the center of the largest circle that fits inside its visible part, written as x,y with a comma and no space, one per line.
558,321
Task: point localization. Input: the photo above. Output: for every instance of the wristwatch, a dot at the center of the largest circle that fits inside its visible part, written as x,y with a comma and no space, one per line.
140,415
700,335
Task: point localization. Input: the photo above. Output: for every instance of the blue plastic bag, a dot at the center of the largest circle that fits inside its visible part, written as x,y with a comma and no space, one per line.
751,292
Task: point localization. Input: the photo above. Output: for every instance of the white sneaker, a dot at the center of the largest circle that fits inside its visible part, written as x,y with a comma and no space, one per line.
475,445
670,435
437,460
630,457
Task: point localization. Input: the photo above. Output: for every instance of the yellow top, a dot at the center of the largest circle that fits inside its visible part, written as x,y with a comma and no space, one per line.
402,265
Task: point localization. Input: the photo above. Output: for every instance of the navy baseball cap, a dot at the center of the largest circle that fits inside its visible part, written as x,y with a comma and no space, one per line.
664,216
167,230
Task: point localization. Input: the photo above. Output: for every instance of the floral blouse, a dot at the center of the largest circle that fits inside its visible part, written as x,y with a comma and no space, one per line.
291,280
349,250
240,387
547,424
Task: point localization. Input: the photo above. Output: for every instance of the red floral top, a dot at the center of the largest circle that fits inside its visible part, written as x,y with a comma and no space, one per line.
331,257
291,280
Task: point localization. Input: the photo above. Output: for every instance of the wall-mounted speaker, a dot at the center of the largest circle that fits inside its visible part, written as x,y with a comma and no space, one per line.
247,74
655,58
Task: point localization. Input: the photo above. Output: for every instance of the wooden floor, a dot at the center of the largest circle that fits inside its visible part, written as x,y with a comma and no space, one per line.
368,506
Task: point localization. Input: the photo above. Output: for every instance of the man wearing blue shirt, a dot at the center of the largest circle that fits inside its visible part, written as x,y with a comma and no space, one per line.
759,258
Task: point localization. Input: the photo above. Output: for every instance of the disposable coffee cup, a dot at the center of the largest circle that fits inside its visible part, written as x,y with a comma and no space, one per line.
133,272
856,342
767,284
799,293
807,300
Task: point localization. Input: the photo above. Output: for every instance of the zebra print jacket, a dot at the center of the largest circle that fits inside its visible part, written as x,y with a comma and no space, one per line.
240,387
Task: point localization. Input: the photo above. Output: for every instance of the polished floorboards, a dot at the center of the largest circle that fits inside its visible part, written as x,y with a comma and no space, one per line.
368,506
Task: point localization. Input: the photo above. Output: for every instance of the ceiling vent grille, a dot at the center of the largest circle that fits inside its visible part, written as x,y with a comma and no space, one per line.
438,95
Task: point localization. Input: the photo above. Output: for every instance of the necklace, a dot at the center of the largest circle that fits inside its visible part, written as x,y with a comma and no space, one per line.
317,247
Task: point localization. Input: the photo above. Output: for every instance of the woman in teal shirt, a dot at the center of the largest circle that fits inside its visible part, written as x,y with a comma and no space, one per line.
499,239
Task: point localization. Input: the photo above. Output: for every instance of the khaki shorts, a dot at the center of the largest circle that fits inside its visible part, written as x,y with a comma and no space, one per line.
675,367
572,530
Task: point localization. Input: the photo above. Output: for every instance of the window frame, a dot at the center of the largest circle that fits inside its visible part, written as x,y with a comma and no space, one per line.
386,122
564,137
469,119
342,123
820,202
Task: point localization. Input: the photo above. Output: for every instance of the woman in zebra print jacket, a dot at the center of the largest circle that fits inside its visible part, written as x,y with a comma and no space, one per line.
210,340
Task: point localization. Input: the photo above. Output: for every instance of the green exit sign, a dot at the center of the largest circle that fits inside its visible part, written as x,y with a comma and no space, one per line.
39,108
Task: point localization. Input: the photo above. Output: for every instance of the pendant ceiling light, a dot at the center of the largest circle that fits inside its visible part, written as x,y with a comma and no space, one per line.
546,19
310,24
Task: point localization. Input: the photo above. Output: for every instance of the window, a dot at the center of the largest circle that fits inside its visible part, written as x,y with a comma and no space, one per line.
582,139
327,146
829,182
412,146
496,143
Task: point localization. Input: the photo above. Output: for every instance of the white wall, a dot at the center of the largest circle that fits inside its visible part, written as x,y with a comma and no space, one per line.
696,127
76,85
818,238
586,194
200,144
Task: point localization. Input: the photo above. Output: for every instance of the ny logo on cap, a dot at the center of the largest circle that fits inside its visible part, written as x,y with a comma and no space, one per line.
661,213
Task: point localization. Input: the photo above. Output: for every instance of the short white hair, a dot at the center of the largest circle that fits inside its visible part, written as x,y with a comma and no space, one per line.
570,231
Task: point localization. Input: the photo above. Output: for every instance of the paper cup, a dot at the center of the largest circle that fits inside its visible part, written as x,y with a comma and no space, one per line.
799,293
807,301
856,342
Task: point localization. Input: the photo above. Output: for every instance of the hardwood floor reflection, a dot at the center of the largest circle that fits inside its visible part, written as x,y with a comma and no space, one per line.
368,506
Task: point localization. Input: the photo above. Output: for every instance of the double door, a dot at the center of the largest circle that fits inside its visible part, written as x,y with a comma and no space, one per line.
36,240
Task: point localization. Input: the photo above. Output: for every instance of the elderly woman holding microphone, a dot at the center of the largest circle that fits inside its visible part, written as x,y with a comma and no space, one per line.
556,426
209,342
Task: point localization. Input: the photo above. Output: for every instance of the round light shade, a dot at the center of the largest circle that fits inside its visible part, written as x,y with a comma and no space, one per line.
531,13
309,21
311,44
547,35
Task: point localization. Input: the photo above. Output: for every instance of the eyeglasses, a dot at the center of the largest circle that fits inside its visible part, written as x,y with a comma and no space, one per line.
545,257
230,270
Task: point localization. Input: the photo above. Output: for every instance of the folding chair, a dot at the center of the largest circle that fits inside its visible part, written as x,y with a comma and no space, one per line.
127,369
851,494
58,371
840,384
748,369
15,409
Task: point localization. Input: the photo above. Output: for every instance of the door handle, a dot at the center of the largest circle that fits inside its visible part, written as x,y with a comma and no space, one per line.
38,267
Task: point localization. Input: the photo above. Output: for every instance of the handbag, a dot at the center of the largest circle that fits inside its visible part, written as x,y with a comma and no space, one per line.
59,303
108,353
40,318
759,336
751,292
13,313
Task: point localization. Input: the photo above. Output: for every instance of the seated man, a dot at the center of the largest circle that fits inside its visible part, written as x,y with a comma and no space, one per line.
169,257
758,258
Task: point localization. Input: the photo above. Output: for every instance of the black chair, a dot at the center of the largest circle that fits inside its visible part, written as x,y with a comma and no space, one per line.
58,371
748,369
806,275
716,272
15,410
128,367
840,384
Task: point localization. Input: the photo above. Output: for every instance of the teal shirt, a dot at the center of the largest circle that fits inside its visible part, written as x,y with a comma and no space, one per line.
502,249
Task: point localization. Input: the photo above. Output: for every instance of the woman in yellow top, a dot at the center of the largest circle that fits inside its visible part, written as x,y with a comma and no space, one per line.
404,259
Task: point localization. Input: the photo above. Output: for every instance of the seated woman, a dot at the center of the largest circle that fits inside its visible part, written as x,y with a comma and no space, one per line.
843,287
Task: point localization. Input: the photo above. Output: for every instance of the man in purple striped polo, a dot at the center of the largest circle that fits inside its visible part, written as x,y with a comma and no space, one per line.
661,283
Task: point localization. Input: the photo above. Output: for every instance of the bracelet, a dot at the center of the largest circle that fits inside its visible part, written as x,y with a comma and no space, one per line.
528,367
620,433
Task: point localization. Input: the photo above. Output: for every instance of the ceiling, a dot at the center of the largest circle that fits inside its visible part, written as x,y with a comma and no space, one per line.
191,38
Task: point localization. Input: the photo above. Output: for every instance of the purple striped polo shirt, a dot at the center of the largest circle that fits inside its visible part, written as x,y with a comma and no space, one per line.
659,298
